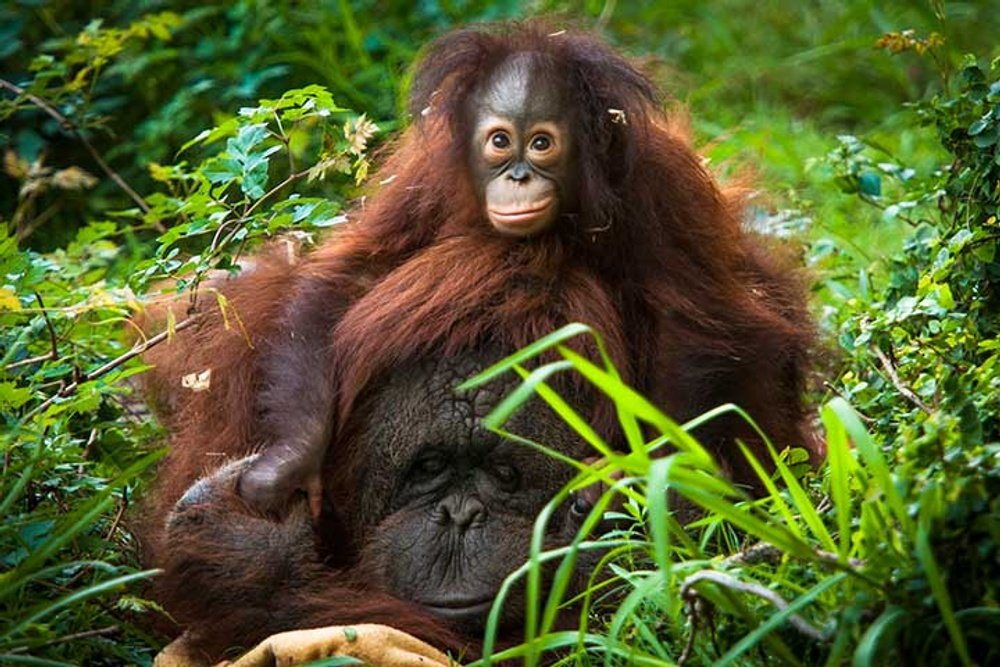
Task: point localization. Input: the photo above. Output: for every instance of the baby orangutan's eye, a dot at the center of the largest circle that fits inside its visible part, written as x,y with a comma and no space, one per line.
500,139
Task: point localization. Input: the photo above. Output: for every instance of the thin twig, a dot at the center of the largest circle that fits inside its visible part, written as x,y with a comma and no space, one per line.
118,518
830,387
72,127
111,365
286,140
91,439
27,230
53,338
689,644
29,361
99,632
732,583
894,378
267,195
869,199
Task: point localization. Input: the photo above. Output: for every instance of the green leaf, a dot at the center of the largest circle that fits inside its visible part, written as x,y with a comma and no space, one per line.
504,365
842,466
987,138
875,462
12,397
978,126
944,296
779,619
247,138
222,169
870,183
77,596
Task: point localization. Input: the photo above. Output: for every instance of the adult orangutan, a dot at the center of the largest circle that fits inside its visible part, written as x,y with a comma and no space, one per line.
539,184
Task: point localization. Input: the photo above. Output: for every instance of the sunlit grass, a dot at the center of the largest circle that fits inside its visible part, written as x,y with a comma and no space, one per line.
822,547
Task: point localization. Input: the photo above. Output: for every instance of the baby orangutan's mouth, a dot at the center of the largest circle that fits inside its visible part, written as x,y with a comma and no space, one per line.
520,217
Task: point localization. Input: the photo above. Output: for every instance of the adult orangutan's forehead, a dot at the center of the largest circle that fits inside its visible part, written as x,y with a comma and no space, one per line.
522,88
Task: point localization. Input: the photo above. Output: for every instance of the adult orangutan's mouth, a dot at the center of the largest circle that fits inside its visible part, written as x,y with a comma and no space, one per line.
459,609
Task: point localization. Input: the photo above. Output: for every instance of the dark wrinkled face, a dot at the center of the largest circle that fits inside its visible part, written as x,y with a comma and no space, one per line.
521,149
447,506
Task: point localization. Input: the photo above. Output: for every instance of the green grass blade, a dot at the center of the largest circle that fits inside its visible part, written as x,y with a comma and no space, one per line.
925,555
493,620
656,494
803,503
696,489
72,525
77,596
563,575
569,638
639,406
518,358
841,466
650,585
591,473
773,493
524,391
565,411
876,463
880,633
25,474
69,528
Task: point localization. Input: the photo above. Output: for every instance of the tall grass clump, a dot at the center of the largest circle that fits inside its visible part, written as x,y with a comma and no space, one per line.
814,571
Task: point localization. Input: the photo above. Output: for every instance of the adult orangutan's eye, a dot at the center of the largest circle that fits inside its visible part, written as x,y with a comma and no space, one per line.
580,506
506,475
429,466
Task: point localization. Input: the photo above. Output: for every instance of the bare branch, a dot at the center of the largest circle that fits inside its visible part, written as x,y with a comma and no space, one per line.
894,378
689,644
72,127
762,552
732,583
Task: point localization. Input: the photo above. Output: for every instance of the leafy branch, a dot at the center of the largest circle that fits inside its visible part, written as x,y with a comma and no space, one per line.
106,368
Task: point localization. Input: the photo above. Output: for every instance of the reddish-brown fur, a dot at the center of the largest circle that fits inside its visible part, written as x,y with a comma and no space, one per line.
691,308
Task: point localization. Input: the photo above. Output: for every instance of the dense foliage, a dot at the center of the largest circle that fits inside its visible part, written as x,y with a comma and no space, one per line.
149,147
